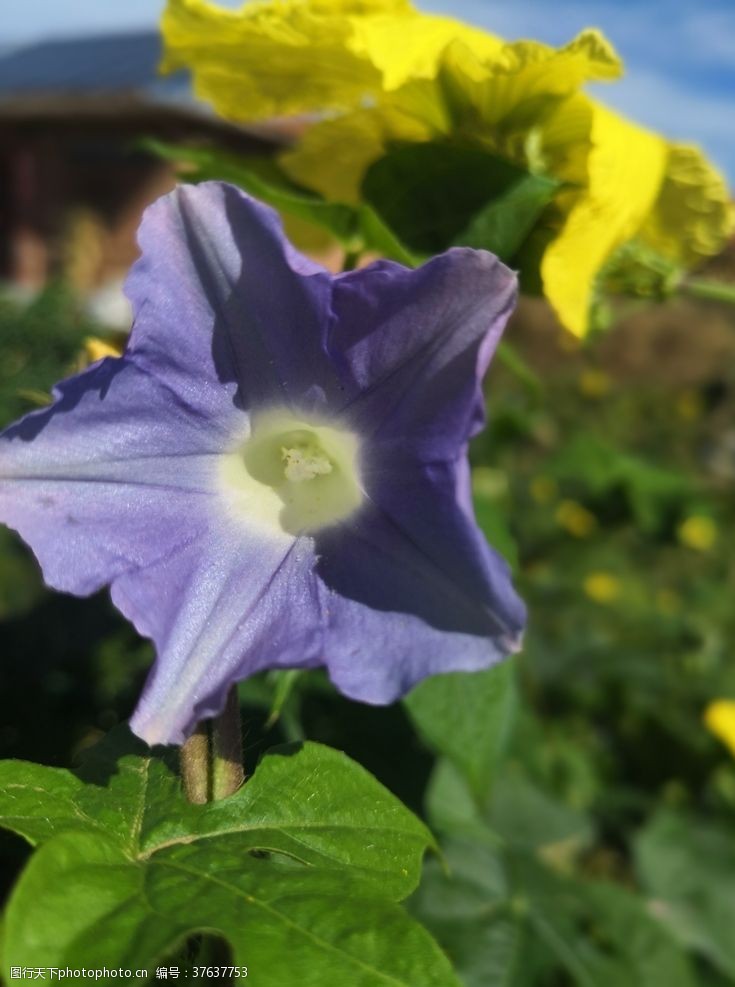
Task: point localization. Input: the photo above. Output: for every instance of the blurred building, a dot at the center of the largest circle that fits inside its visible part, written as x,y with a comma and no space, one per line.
73,178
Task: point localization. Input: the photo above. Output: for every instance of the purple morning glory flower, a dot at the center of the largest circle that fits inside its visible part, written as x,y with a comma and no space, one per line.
274,474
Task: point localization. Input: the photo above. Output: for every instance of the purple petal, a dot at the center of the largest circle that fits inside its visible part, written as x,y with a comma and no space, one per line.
221,297
413,589
226,606
98,483
413,347
119,482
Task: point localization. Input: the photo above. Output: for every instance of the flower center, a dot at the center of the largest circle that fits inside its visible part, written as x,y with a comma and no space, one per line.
305,462
294,474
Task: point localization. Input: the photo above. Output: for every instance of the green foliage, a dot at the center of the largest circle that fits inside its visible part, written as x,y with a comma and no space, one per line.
492,203
509,914
687,866
503,224
467,717
356,228
586,829
284,869
604,470
39,342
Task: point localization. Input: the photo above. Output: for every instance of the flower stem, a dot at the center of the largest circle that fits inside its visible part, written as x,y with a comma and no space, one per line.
716,291
351,260
194,765
226,746
211,759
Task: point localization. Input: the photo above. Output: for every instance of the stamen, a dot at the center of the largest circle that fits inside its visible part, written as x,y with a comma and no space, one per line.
304,463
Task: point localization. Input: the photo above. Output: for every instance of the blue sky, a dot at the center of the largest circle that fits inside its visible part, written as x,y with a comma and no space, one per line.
680,54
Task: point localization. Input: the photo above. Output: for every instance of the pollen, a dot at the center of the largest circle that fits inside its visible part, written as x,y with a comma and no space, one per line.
292,475
304,463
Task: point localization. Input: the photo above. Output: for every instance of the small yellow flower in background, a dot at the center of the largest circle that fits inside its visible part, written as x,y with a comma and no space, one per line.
719,718
575,519
543,489
96,348
602,587
594,383
490,483
698,532
689,405
668,602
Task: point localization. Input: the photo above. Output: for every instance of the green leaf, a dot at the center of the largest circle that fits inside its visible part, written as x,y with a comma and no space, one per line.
299,870
436,194
451,808
467,716
467,908
602,468
512,360
504,223
601,933
525,815
507,921
283,689
688,867
357,228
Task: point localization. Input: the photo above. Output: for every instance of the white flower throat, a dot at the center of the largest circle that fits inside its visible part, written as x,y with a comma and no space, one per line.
296,475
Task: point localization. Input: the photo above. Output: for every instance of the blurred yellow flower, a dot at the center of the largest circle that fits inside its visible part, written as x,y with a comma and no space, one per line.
668,602
490,483
575,519
96,348
594,383
543,489
391,75
719,718
698,532
602,587
689,405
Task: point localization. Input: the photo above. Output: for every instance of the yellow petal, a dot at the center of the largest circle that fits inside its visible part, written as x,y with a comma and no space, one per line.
693,217
290,56
575,518
602,587
490,93
698,532
513,86
97,349
719,718
333,156
625,166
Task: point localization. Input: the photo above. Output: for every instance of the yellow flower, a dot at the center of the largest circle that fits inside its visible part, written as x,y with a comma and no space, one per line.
294,56
719,718
543,489
96,348
602,587
594,383
698,532
489,483
693,216
623,170
575,519
495,99
391,75
524,102
668,602
689,405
